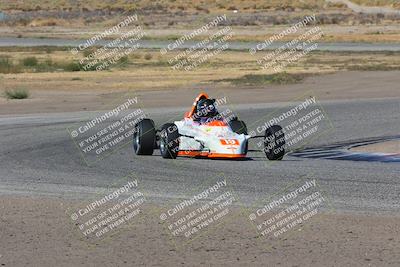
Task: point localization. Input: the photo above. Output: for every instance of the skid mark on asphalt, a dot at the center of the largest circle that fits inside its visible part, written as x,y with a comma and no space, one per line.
341,151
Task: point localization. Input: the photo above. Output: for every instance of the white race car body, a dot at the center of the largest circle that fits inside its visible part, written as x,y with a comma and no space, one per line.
214,139
204,132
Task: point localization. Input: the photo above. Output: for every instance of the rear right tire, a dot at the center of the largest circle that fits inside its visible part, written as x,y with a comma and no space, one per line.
238,126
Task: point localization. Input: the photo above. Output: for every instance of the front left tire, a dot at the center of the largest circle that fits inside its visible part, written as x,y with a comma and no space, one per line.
144,137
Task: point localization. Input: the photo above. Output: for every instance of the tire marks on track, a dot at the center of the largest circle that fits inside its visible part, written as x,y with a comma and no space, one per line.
341,151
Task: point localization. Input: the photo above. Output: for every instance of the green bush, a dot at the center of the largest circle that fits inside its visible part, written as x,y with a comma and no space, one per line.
123,60
30,62
76,66
73,66
16,94
45,66
88,52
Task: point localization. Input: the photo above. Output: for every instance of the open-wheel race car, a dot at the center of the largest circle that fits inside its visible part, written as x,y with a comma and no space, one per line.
204,133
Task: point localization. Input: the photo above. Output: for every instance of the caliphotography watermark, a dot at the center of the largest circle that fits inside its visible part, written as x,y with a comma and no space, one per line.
289,211
215,40
109,213
108,131
205,209
114,51
276,60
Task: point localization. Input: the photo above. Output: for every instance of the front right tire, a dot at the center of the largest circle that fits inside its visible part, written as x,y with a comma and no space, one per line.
274,143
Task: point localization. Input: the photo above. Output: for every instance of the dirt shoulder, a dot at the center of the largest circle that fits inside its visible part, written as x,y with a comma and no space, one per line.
63,95
38,232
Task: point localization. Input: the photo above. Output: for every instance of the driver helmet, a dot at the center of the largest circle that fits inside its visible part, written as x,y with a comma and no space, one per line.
206,108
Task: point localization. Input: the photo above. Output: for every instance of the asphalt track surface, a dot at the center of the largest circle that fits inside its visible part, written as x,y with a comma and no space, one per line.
37,157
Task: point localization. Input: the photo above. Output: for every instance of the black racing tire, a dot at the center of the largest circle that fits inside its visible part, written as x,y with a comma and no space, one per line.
144,137
274,143
238,126
169,141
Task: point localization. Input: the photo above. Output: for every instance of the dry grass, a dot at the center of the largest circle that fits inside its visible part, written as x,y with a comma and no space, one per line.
127,5
390,3
202,6
147,69
263,79
46,22
178,16
35,60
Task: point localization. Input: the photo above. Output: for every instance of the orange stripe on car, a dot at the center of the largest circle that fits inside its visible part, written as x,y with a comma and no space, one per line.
189,153
216,123
223,155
